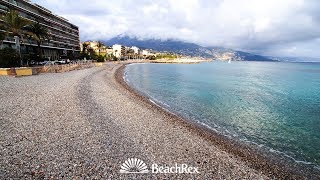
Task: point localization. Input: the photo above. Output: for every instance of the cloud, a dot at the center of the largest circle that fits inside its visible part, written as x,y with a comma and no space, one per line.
261,26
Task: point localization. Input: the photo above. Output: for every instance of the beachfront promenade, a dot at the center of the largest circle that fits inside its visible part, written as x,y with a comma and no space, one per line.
85,124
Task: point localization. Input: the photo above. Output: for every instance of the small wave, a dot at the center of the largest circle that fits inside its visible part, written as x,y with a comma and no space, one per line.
153,102
165,104
209,127
263,146
228,134
294,159
157,102
130,64
126,77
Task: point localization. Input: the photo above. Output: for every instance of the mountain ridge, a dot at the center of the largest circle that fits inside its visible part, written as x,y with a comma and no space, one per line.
187,49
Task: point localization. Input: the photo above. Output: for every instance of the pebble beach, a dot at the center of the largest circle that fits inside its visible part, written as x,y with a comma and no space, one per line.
86,123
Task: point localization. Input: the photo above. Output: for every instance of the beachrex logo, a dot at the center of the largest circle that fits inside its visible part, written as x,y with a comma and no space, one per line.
134,165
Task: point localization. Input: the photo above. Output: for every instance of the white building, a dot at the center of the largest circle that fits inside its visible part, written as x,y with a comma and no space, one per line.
147,52
118,50
135,49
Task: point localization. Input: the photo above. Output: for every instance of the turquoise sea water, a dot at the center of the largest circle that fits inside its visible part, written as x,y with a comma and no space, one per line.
275,105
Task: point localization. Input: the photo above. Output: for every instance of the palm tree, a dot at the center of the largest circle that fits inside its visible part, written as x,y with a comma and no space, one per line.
100,46
91,52
85,47
39,34
14,24
130,52
115,53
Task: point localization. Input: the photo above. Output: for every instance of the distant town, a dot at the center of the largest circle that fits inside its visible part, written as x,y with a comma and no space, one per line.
98,50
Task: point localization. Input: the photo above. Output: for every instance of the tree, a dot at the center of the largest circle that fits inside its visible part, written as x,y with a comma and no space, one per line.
91,52
39,34
14,24
9,58
85,47
100,46
115,52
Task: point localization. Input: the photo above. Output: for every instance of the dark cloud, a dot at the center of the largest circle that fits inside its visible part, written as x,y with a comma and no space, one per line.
270,27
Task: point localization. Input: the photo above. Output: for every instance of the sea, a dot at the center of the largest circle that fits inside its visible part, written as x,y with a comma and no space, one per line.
274,105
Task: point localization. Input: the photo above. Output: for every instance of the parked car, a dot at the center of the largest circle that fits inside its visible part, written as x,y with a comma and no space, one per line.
33,63
63,61
45,63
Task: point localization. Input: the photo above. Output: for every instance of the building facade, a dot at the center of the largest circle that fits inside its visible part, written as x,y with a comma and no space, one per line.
104,50
147,52
109,51
64,36
118,50
135,49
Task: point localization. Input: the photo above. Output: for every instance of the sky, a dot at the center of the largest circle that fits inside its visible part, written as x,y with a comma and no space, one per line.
267,27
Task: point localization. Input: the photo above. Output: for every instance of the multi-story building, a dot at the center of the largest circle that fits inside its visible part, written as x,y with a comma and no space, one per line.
118,50
135,49
64,36
147,52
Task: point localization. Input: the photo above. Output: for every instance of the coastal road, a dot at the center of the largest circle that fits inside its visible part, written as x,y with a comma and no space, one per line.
85,124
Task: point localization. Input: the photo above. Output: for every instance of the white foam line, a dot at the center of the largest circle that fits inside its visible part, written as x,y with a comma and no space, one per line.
153,102
261,146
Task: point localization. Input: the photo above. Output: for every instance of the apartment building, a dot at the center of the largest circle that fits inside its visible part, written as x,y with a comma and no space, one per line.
135,49
64,36
118,50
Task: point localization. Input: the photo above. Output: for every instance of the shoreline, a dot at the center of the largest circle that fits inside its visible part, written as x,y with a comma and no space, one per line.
180,61
270,164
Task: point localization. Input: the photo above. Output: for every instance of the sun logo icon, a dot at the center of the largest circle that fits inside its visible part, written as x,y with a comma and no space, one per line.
134,165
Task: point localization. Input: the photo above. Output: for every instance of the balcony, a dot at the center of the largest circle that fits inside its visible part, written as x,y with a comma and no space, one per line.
45,45
51,27
36,13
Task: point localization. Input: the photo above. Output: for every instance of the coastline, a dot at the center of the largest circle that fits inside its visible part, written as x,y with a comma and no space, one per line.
180,61
270,164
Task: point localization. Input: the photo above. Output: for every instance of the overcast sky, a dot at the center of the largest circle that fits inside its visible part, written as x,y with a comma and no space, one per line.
268,27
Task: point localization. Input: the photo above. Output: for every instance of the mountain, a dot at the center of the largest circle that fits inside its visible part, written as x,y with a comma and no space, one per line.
187,49
296,59
155,44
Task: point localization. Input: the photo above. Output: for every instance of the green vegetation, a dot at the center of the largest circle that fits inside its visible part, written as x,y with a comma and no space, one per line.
89,53
39,34
15,26
166,56
9,58
85,47
151,57
100,46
